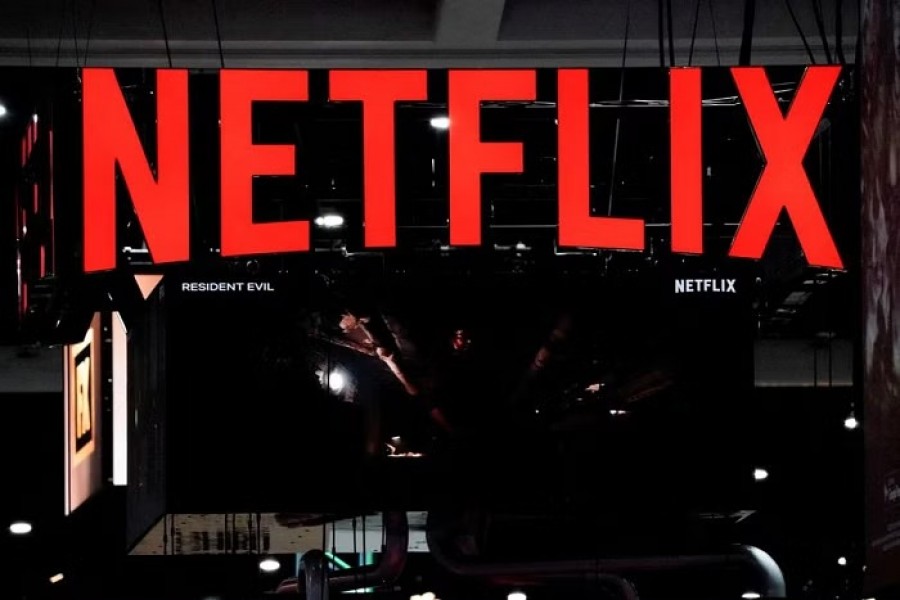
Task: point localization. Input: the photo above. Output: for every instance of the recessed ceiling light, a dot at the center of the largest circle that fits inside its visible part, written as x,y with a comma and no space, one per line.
2,110
440,122
851,422
428,596
56,578
516,596
330,221
750,595
20,528
842,561
760,474
269,565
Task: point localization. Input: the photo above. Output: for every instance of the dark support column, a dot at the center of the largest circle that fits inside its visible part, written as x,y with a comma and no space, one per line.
880,150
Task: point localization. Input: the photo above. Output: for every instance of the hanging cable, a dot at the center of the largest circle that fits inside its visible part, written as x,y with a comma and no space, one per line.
75,32
809,52
215,11
162,22
324,580
670,28
62,25
355,554
90,28
659,32
625,46
28,43
694,32
747,33
172,530
820,25
333,538
259,537
365,557
712,20
612,177
839,31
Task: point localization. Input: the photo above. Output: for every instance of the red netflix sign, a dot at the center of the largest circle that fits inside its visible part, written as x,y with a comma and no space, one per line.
161,200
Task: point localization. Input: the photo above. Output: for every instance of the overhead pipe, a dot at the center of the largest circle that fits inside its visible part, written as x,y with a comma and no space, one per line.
770,580
388,569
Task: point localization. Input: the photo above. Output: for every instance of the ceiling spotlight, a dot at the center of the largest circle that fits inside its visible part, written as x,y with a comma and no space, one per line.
516,596
269,565
760,474
2,110
440,122
415,597
34,117
851,423
20,528
750,595
336,381
429,596
56,578
842,561
330,221
521,246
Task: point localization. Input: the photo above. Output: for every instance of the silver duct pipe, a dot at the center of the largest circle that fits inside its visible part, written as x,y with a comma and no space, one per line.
768,576
388,569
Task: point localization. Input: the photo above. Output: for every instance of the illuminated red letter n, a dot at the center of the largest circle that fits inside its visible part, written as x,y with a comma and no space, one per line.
110,139
783,183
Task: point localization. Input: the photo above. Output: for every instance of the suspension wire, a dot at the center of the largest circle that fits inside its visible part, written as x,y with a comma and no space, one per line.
747,32
612,177
809,52
162,22
333,537
694,32
670,28
62,25
356,555
259,537
659,32
712,19
215,11
90,28
75,32
325,561
820,24
839,31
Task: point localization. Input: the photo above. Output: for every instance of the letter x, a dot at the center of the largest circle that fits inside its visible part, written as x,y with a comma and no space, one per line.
783,183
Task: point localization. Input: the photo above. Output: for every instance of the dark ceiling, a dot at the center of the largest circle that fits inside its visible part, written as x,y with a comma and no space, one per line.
430,33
